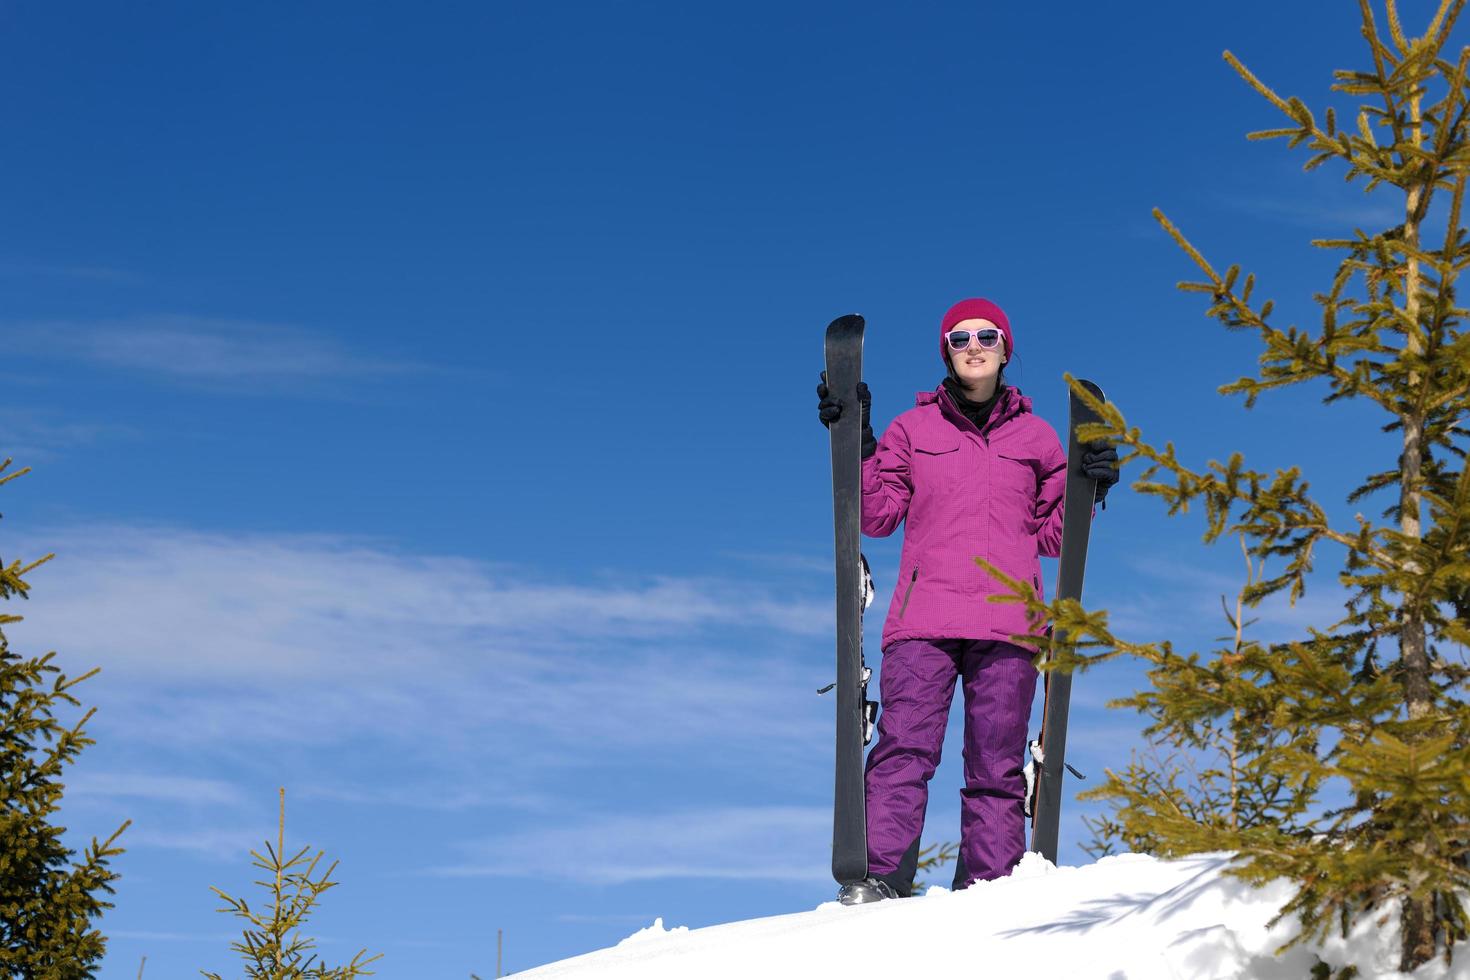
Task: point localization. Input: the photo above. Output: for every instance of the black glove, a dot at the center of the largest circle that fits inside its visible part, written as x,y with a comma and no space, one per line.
1100,463
829,410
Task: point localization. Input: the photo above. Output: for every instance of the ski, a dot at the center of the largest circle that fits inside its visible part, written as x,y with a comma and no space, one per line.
1049,751
844,357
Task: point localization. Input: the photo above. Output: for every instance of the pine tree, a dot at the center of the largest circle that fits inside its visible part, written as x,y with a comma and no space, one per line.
1248,740
48,901
273,947
1216,729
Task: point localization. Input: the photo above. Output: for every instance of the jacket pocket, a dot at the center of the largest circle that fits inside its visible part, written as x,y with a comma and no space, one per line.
1015,473
935,463
908,592
931,446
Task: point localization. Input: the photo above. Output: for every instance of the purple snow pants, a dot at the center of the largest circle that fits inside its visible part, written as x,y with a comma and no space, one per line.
916,687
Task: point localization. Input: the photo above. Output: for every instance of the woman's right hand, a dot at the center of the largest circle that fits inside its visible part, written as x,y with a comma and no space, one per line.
829,407
829,410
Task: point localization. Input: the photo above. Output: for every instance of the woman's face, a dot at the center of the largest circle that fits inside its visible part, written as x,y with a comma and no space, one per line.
974,364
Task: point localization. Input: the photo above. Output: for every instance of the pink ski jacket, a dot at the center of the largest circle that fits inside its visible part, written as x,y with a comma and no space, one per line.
962,493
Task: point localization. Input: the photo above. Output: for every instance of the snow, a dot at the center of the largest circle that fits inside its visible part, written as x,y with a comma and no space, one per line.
653,933
1126,917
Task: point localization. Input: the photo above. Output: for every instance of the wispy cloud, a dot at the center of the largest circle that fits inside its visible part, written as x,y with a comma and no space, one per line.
198,349
310,605
31,437
437,796
1320,212
173,937
150,786
309,640
370,681
784,561
1318,202
215,843
776,843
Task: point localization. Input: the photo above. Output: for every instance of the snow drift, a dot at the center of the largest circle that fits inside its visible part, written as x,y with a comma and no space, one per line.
1128,917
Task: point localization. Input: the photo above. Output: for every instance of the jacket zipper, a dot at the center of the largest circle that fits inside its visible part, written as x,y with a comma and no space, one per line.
908,592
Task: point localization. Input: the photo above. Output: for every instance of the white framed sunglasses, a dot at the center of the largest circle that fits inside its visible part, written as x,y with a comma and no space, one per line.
989,338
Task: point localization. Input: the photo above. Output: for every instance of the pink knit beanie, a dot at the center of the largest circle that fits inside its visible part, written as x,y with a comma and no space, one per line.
975,309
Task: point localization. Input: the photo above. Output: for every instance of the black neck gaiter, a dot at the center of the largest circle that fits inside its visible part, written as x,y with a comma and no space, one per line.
976,412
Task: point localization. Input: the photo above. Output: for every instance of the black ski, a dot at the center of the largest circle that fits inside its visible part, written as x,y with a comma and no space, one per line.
844,349
1051,747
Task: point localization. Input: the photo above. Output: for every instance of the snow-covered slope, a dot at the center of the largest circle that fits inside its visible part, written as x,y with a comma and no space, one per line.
1128,917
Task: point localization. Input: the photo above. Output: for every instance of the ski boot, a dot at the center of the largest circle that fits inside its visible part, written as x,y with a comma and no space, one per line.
865,891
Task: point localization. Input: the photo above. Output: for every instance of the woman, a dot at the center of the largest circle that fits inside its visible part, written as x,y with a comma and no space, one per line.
971,473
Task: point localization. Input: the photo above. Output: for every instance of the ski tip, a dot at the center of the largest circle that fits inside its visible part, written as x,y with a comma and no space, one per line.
851,323
1092,389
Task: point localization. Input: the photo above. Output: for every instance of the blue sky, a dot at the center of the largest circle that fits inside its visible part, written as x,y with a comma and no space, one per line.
420,402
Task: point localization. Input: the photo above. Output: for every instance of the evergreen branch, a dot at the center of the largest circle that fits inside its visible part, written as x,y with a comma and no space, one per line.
1453,231
7,477
1430,585
64,683
1276,508
1261,86
1453,104
1396,30
1306,359
1444,21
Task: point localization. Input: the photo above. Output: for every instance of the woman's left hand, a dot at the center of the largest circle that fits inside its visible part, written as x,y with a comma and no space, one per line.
1100,463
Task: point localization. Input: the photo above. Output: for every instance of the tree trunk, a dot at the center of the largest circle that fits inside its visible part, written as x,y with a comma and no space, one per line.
1417,935
1413,650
